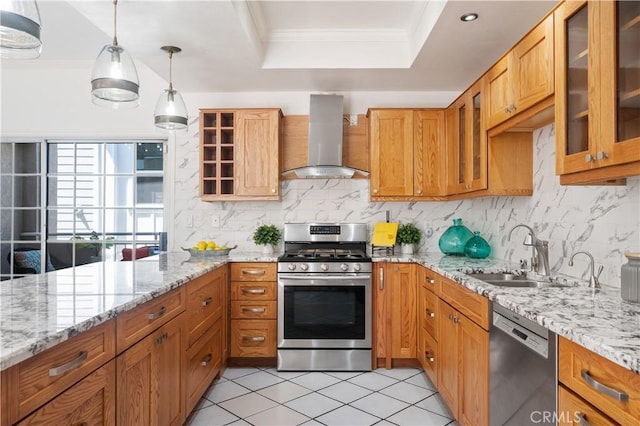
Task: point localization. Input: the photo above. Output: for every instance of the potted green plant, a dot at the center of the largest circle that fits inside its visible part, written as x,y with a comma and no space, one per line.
267,236
408,237
93,245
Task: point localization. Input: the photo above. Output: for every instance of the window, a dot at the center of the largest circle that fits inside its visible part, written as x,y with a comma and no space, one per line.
100,197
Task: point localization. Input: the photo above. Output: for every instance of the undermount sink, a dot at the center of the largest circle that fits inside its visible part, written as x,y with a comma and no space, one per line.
504,279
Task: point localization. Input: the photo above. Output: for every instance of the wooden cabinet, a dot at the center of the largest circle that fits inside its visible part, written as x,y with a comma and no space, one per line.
523,77
92,401
428,320
138,322
253,310
151,378
407,154
575,411
205,320
396,299
463,369
463,350
31,383
467,143
611,389
239,154
598,91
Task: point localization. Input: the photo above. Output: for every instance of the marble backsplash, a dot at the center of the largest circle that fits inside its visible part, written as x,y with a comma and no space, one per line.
603,220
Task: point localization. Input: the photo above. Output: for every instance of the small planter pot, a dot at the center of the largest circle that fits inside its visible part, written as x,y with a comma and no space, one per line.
267,249
406,248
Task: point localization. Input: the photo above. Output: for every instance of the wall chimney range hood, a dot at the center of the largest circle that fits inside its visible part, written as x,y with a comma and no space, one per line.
326,114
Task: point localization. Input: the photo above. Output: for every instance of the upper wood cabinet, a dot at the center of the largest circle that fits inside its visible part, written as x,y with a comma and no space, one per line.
239,154
522,77
467,143
597,57
407,153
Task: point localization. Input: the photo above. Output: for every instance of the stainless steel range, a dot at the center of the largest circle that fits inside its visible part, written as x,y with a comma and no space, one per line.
324,298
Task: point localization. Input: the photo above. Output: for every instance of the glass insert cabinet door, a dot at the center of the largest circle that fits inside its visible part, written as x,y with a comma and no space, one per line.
597,85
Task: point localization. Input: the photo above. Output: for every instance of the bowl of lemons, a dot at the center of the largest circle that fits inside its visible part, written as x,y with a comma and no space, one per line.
204,249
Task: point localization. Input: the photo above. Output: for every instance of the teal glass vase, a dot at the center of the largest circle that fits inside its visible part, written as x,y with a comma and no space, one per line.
454,239
477,247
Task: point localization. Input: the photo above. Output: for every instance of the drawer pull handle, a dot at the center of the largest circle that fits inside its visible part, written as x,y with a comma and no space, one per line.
253,338
429,357
57,371
429,313
582,419
206,360
254,271
253,291
207,301
152,316
254,310
613,393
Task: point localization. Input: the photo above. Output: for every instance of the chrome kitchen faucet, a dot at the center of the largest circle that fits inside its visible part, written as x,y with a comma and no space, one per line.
540,250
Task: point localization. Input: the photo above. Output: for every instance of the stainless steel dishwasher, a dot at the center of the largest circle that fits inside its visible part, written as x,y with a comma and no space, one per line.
523,372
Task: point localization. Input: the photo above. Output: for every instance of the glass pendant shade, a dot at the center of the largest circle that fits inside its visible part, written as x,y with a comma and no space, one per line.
114,79
171,111
19,29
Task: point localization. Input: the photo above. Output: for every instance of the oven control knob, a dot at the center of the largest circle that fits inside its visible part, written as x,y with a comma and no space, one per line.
344,267
304,267
324,267
292,267
357,267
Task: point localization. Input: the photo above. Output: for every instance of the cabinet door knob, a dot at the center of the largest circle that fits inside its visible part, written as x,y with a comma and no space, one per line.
419,191
601,155
430,313
430,280
207,301
506,110
206,360
273,191
589,158
429,357
375,190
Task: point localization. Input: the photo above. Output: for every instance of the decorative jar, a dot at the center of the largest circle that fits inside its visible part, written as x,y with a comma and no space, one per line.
477,247
630,278
455,238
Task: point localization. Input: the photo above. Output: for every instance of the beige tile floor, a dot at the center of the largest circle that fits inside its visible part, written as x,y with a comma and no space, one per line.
264,396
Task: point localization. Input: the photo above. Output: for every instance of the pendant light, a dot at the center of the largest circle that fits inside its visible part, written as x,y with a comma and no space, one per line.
171,112
19,29
114,79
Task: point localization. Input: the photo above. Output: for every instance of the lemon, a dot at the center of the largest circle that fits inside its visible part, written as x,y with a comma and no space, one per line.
202,245
211,245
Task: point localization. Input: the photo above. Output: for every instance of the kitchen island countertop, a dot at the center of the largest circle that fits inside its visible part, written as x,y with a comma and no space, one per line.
40,311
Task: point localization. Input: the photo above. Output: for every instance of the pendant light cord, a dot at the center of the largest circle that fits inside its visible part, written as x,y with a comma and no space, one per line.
171,71
115,18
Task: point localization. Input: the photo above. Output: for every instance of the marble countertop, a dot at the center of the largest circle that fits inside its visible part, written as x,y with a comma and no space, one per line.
40,311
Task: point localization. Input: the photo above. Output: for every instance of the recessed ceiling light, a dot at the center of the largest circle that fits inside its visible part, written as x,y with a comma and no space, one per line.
468,17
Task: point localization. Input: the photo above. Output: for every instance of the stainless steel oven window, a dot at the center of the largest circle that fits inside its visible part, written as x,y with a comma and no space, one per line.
294,313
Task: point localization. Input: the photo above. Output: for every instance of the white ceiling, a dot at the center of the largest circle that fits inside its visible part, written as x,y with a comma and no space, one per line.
331,45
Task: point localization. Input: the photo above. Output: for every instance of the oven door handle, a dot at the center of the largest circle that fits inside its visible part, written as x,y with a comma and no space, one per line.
360,277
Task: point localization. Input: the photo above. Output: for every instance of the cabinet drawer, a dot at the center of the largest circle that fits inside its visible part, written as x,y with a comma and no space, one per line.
428,356
204,304
575,411
429,312
427,278
36,380
254,309
253,291
204,359
135,324
258,271
89,402
253,338
471,304
584,372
